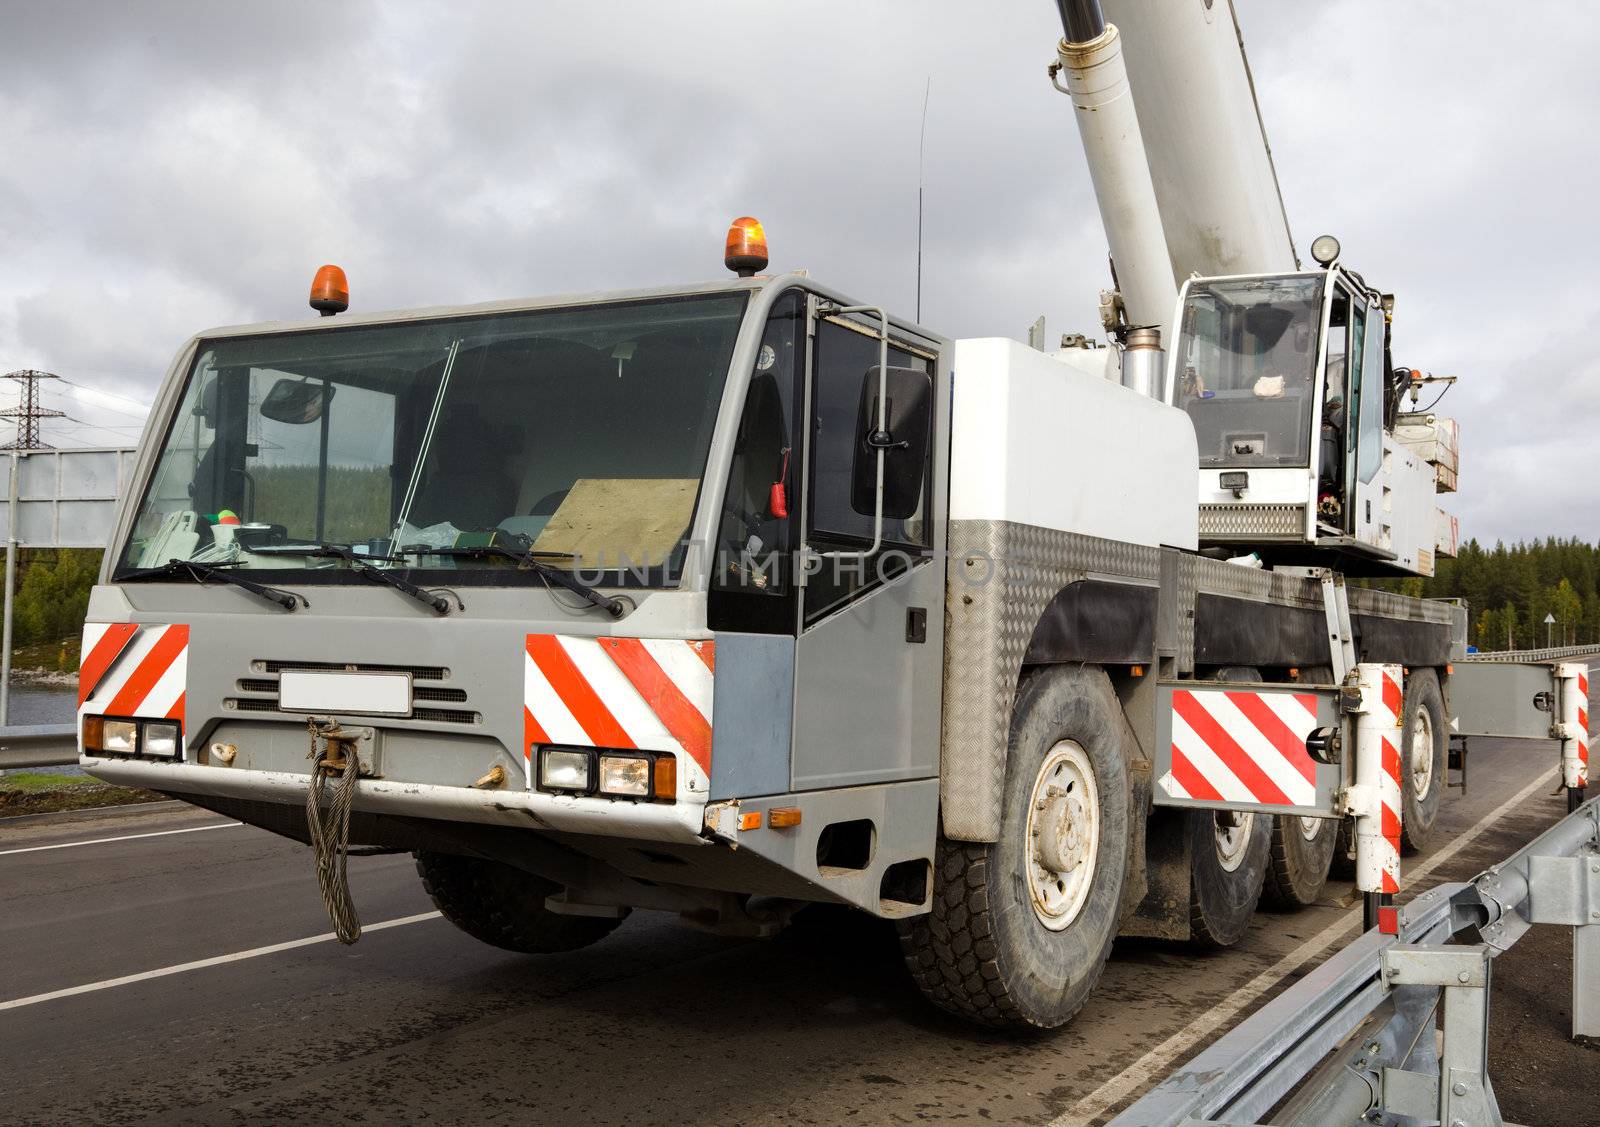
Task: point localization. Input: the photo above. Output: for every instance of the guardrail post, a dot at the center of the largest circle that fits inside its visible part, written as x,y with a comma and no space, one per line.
1573,730
1586,979
1466,1098
1374,799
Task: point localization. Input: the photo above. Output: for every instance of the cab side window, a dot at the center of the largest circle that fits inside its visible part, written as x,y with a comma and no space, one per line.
752,582
1369,456
841,511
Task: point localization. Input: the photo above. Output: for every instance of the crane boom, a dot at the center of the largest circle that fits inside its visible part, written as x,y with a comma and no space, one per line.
1284,371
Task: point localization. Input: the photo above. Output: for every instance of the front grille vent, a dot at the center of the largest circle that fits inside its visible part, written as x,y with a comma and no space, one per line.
446,715
453,696
418,672
264,690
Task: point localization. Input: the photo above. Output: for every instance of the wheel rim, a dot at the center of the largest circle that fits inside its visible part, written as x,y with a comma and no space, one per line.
1233,837
1421,753
1063,835
1310,827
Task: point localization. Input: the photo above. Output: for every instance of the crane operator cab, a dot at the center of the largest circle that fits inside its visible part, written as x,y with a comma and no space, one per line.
1295,403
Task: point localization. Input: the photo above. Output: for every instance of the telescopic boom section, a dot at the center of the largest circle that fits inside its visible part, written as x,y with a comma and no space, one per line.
1081,20
1096,78
1203,138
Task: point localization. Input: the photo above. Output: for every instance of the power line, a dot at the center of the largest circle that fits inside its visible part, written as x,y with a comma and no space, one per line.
97,406
100,391
109,429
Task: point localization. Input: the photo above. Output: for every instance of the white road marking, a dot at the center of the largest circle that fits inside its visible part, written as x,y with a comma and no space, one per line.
124,837
202,964
1182,1045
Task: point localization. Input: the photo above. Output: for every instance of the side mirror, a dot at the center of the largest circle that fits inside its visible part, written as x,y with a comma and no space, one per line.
903,441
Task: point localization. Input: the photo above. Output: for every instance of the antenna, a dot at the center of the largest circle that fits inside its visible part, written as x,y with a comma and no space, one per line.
922,146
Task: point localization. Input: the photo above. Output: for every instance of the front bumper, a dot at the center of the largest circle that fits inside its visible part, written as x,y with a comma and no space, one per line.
681,822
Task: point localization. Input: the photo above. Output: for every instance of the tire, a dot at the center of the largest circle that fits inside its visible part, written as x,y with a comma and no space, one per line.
1424,758
1344,850
1225,881
1223,890
1009,942
504,906
1298,865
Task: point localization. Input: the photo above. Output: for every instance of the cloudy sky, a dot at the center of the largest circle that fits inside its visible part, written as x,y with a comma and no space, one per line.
166,166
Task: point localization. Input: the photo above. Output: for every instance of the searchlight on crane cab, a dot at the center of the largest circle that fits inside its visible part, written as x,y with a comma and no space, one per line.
330,293
746,251
1325,249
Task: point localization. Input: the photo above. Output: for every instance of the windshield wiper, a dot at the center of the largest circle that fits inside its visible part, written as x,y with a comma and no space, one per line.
529,560
358,564
205,573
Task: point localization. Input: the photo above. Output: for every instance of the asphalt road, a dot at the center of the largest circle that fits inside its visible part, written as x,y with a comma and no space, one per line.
656,1024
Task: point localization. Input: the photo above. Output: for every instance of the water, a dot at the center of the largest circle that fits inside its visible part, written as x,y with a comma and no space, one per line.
39,703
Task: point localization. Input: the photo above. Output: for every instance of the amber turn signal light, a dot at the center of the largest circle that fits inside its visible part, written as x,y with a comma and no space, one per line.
747,247
783,817
666,779
330,293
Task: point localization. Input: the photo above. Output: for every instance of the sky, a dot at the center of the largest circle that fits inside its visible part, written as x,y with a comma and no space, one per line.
169,166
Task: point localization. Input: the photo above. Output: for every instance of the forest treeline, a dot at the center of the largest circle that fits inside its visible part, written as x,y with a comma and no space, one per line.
1510,589
53,596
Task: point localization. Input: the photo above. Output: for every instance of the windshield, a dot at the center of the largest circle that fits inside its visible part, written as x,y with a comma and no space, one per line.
578,433
1247,351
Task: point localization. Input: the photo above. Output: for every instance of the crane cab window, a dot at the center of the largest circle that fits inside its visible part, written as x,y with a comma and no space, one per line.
1247,352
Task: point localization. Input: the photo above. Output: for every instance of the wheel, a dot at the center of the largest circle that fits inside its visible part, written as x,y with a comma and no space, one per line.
1020,928
1228,855
1426,735
1227,859
1302,852
504,906
1299,859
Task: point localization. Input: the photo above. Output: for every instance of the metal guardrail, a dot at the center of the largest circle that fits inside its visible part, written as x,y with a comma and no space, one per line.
38,745
1534,655
1393,992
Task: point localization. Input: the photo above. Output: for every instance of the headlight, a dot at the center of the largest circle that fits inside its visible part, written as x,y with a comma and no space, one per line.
560,769
120,737
625,775
161,739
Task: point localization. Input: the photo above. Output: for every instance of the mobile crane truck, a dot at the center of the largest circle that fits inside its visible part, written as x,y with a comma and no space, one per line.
726,599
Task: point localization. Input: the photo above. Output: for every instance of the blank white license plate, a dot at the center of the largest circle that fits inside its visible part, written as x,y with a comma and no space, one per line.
379,694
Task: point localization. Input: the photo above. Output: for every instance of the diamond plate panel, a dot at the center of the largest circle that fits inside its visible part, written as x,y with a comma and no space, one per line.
1000,578
1218,577
1184,597
1386,604
1282,521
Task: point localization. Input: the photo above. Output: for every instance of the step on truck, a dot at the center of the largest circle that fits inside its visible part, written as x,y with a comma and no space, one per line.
730,599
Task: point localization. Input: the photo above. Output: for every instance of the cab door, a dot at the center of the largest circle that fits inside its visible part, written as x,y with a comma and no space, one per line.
869,657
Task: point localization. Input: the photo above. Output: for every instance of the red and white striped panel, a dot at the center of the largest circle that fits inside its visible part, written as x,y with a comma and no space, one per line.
129,670
1389,801
1583,728
1574,724
1377,796
653,694
1241,746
